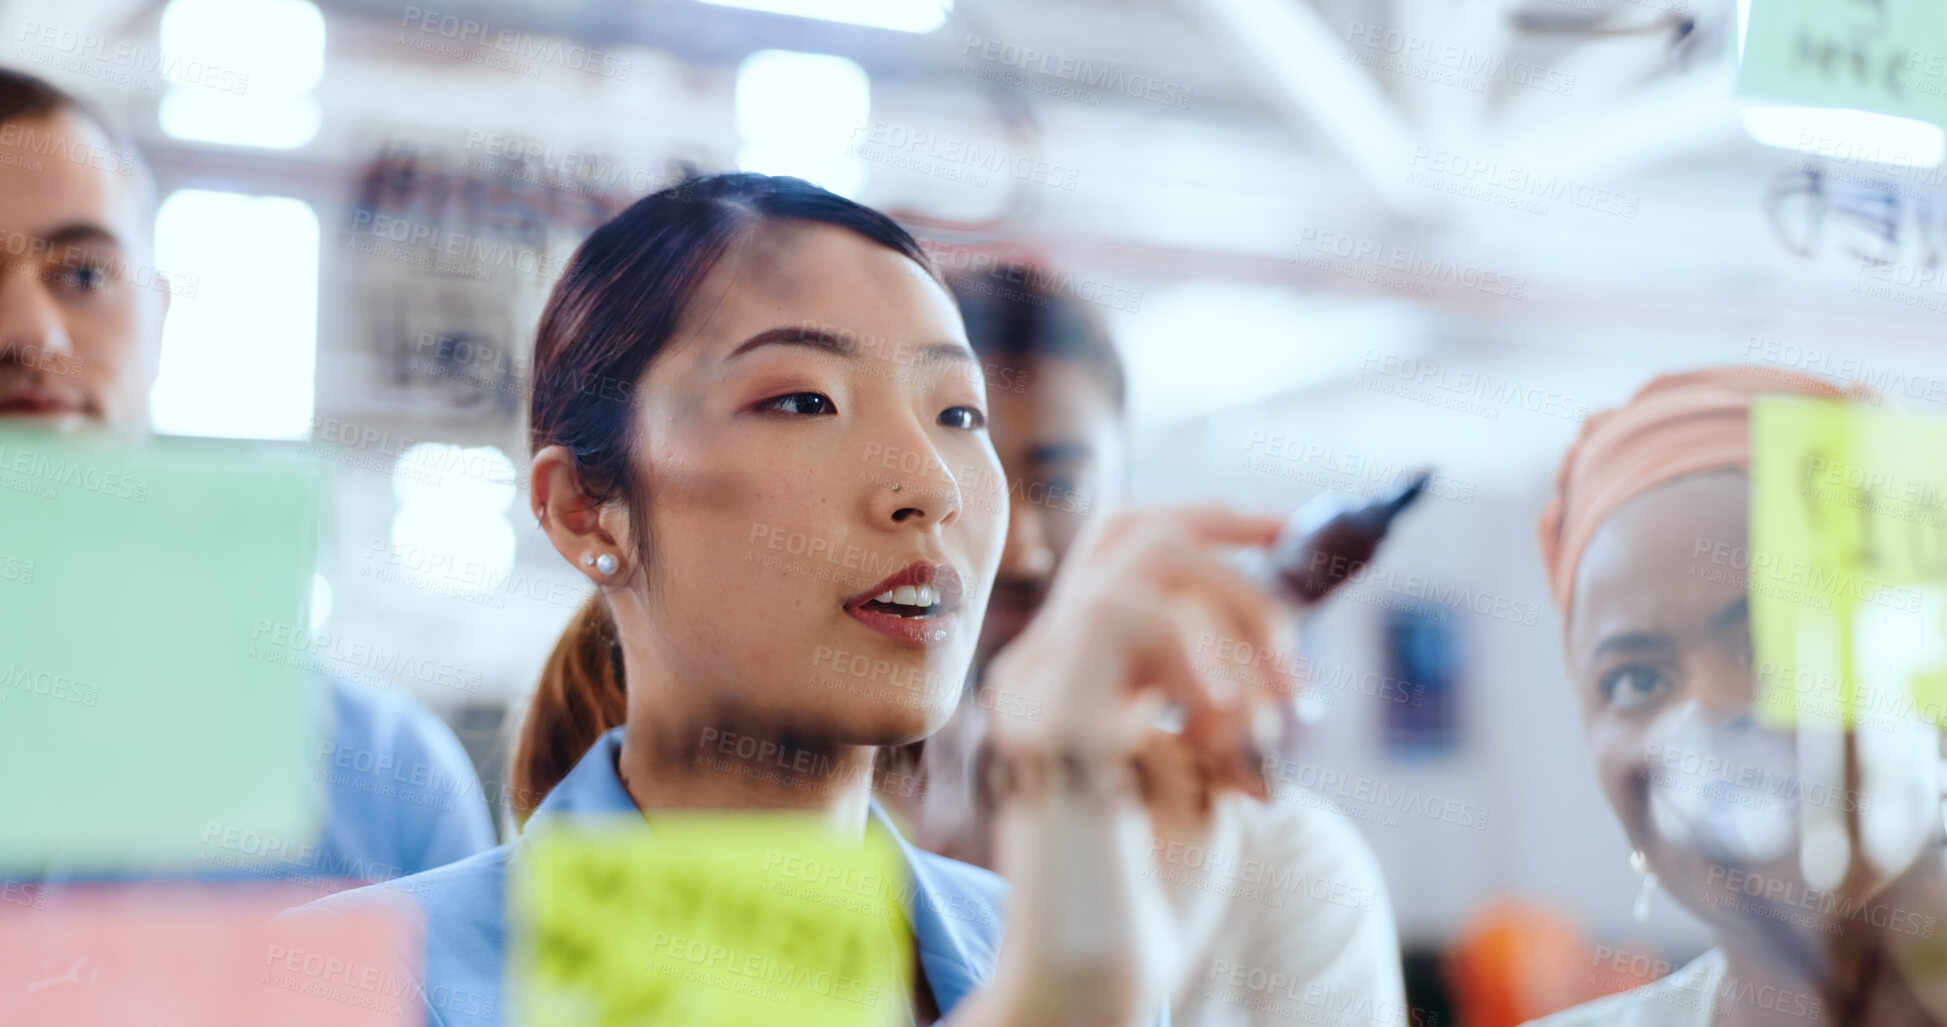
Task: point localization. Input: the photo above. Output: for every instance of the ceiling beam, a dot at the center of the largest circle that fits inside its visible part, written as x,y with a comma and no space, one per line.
1318,90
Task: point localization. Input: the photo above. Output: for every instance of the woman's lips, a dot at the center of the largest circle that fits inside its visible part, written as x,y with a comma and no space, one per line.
919,632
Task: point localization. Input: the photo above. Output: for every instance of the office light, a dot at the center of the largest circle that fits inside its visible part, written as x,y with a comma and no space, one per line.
897,15
242,72
798,113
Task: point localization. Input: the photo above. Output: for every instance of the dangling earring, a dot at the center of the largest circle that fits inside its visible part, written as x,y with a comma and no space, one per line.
1641,864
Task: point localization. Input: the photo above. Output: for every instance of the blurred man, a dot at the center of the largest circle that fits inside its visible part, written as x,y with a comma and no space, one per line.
81,314
1056,393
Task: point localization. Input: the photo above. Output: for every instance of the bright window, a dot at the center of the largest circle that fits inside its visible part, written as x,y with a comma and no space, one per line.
239,347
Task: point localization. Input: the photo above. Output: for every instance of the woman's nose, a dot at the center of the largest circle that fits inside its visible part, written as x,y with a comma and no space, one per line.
1726,688
915,498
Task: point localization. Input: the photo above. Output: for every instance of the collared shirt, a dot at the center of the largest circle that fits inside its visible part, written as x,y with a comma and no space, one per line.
955,917
401,793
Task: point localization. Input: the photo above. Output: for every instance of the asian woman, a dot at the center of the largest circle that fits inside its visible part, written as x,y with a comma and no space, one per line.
758,429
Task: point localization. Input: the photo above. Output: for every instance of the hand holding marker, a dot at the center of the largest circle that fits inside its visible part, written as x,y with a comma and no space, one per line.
1327,541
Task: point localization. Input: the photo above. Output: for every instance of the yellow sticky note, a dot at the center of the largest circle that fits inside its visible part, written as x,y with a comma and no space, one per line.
710,920
1848,570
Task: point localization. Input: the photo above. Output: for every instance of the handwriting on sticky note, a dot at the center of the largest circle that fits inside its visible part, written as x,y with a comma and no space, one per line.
1848,566
176,956
1888,56
710,920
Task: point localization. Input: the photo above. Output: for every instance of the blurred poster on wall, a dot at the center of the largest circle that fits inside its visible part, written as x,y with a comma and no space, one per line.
1419,649
449,255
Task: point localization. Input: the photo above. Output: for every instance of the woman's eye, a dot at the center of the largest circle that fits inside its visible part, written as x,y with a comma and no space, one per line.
805,403
963,417
1632,686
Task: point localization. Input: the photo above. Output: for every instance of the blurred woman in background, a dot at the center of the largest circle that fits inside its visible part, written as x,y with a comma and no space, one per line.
717,380
1658,641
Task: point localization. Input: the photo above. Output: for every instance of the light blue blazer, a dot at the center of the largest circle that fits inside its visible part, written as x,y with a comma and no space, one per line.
957,931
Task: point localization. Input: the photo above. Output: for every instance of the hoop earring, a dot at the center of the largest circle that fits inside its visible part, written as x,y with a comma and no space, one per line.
1641,864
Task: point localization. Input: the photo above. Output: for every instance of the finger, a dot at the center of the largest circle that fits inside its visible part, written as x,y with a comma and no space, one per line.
1209,524
1228,730
1220,614
1222,526
1249,620
1160,661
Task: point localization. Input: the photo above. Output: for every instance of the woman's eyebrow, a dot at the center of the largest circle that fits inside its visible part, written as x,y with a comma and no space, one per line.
843,344
1630,642
796,335
1737,610
948,351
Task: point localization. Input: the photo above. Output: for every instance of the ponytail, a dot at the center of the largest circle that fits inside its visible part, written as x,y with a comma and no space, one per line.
580,696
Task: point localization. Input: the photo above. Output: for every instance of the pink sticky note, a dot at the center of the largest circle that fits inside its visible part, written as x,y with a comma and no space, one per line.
204,956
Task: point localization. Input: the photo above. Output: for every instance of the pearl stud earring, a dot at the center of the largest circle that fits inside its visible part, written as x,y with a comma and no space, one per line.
605,564
1641,864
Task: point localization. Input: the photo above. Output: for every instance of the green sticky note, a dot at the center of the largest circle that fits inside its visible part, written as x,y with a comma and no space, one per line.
710,920
1848,567
1888,56
141,727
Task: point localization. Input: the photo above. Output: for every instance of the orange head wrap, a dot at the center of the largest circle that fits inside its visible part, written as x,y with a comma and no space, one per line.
1677,425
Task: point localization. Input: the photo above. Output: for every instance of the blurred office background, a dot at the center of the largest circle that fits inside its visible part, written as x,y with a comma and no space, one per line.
1335,239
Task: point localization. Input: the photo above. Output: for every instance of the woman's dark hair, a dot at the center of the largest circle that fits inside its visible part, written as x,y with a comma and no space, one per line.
608,317
1019,313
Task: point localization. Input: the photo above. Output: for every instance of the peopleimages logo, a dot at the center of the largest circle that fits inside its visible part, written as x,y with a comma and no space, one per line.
22,137
1434,375
525,45
1466,66
1359,796
920,149
1430,270
1884,378
1105,77
1509,185
124,62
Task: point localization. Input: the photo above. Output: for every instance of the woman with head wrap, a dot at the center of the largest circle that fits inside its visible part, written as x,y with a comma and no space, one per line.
1658,642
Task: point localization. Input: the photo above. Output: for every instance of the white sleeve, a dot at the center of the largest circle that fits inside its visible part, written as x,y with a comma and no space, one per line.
1317,944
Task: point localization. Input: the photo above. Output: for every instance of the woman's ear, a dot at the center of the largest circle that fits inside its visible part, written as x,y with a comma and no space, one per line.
592,536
